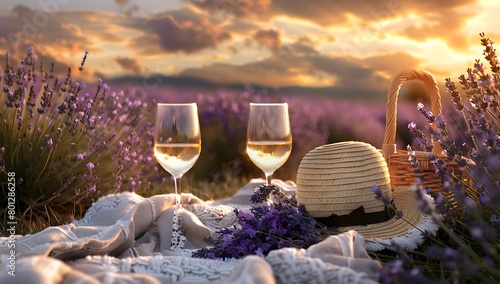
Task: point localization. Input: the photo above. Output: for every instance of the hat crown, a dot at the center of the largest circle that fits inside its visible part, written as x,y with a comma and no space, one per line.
338,178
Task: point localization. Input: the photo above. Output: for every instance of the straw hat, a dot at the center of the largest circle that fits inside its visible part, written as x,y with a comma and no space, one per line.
334,183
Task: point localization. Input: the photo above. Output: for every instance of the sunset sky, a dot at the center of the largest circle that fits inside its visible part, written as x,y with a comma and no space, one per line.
345,46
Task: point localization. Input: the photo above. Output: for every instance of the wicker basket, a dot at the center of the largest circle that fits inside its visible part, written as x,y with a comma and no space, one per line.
401,171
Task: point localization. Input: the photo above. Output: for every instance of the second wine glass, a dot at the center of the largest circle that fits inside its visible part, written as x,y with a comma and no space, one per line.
177,144
269,138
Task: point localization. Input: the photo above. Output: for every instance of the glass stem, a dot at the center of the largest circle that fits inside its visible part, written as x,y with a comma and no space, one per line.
178,199
269,177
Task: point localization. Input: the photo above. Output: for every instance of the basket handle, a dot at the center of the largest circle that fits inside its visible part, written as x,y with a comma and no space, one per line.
389,146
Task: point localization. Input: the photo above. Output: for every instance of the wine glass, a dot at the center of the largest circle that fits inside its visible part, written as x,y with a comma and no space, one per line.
177,140
269,139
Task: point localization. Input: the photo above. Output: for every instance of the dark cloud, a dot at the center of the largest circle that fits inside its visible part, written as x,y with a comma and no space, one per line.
178,31
94,25
305,45
305,40
374,72
240,8
231,49
349,73
186,36
67,32
21,11
127,8
24,26
272,40
129,64
302,48
269,38
327,12
323,12
430,5
228,74
272,71
122,2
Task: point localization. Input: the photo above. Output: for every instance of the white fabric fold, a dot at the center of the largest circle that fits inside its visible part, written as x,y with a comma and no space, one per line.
125,238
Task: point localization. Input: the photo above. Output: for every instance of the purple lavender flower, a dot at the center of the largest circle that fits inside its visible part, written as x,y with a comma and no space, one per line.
398,214
412,158
495,222
420,137
398,271
263,229
428,114
380,196
262,193
83,60
424,204
452,89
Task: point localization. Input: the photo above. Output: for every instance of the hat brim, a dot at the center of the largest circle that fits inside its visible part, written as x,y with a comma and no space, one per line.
407,232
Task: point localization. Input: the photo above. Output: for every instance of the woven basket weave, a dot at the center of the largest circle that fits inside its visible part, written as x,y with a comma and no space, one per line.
401,171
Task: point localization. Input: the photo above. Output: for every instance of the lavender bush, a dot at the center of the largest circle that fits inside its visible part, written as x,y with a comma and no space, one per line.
467,248
65,146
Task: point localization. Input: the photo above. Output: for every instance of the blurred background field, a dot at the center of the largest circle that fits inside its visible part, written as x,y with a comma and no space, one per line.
224,166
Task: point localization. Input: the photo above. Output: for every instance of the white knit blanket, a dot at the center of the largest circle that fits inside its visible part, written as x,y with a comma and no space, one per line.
125,238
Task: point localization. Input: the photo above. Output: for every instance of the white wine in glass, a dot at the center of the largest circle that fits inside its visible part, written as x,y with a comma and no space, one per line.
177,144
269,138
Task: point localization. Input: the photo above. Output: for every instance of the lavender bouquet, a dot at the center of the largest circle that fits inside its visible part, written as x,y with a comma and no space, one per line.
268,226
